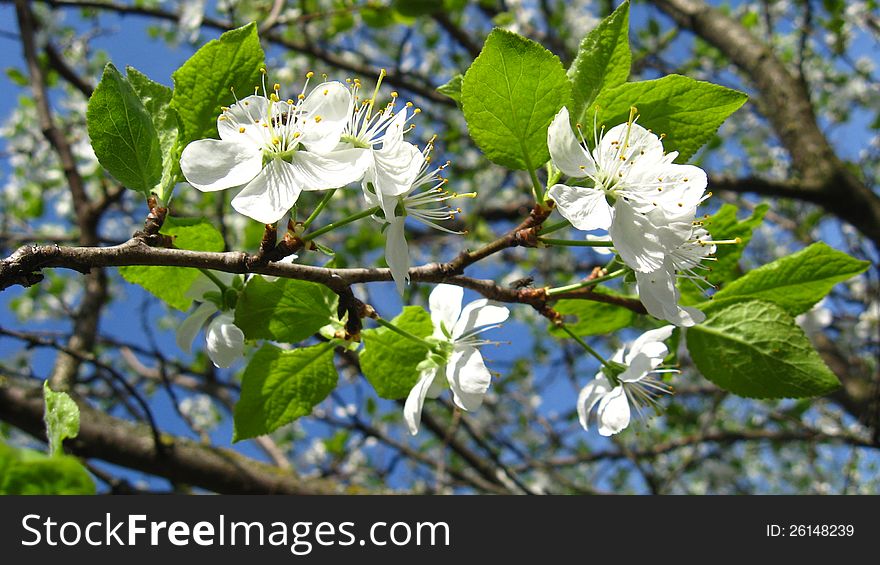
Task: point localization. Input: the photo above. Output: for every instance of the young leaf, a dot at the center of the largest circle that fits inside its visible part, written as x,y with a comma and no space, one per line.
29,472
156,99
452,88
509,96
798,281
202,84
388,360
122,133
755,349
61,417
171,283
280,386
285,310
687,111
603,61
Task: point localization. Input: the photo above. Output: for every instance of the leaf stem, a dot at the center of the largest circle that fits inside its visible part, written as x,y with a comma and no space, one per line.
404,333
340,223
582,284
214,279
575,242
586,346
555,227
320,207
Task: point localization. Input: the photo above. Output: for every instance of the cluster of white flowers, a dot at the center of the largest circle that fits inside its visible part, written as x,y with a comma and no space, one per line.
327,138
630,187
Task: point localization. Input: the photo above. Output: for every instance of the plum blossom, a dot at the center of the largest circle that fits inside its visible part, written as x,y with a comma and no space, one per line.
424,201
225,341
461,367
633,383
615,185
275,149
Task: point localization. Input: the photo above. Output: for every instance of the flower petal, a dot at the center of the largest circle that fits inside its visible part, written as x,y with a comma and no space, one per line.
412,408
651,342
613,412
445,305
589,396
636,239
332,170
191,326
269,196
324,114
397,252
250,114
640,149
658,293
395,169
585,208
567,153
212,164
225,341
477,314
468,378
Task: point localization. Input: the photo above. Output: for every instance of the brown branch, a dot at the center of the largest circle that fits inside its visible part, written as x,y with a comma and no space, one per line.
132,445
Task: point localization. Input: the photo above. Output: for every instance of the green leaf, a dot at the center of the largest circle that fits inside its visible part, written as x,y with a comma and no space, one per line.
122,133
509,96
603,61
755,349
388,360
687,111
723,225
452,88
280,386
593,318
285,310
62,418
796,282
171,283
415,8
24,471
156,99
202,84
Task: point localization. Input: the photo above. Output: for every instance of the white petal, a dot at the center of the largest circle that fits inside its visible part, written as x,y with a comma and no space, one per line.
269,196
683,187
325,113
191,326
477,314
412,408
589,396
393,135
658,293
212,164
468,378
638,368
445,305
613,412
249,113
585,208
395,170
397,253
641,150
648,342
600,250
225,341
567,153
636,239
332,170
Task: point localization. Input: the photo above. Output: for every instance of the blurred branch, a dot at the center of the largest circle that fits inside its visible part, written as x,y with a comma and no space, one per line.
824,178
132,445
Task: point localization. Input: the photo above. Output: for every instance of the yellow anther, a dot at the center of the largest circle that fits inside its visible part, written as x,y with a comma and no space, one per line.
274,97
263,70
276,87
318,119
275,141
241,130
417,111
409,104
310,74
300,96
297,134
394,94
289,101
222,118
326,91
